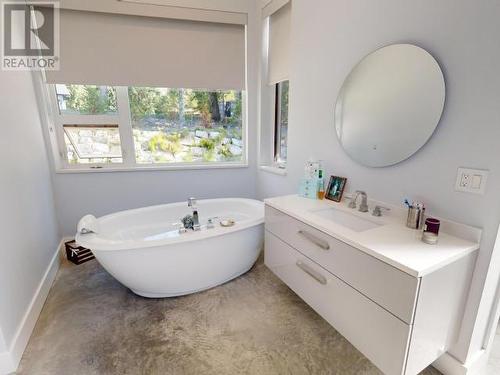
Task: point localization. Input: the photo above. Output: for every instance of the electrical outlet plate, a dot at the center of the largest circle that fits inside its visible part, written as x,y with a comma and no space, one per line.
471,180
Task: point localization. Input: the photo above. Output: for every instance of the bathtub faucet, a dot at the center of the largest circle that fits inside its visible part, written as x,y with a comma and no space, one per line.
196,221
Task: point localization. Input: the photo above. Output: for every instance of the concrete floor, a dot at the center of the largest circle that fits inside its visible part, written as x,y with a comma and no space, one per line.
493,367
91,324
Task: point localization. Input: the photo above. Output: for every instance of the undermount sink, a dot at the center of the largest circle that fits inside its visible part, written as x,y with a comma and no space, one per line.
346,219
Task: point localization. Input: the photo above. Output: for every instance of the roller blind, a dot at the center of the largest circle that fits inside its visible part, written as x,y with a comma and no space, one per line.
279,44
121,50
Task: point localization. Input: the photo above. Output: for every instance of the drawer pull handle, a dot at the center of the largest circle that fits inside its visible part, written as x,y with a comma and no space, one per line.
315,240
314,274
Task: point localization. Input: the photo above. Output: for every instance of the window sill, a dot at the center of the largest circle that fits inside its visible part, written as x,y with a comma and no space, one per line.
142,168
273,169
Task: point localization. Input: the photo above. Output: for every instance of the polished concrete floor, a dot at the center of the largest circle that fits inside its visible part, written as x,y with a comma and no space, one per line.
254,324
493,367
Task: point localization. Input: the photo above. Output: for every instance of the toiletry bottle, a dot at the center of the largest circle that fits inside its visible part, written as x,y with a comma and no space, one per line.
321,185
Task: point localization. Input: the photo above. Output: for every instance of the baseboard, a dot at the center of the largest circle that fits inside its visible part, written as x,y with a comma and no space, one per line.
62,248
10,361
449,365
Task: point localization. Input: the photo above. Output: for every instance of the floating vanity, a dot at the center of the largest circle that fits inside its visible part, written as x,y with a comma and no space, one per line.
396,299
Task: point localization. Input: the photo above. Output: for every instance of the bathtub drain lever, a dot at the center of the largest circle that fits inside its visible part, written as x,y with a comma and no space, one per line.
210,222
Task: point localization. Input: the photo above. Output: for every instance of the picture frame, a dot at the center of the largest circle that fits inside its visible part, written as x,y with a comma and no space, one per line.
335,189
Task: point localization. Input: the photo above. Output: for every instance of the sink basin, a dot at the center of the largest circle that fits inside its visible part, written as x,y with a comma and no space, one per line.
346,219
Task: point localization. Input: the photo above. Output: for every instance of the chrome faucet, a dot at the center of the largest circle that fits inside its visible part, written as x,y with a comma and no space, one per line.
196,220
377,211
363,207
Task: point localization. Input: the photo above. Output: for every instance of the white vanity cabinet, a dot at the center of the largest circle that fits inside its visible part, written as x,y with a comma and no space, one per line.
401,318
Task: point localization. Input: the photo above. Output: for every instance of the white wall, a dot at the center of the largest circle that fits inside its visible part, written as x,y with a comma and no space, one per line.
28,226
330,36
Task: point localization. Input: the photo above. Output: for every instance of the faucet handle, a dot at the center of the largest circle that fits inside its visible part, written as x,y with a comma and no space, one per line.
377,211
363,207
180,228
192,202
352,199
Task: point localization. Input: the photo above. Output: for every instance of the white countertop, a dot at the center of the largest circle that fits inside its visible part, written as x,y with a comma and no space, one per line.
391,242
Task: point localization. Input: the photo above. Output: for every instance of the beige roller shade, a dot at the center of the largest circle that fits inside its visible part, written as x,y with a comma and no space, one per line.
279,44
121,50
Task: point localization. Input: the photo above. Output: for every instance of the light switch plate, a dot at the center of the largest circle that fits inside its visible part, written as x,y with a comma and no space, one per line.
471,180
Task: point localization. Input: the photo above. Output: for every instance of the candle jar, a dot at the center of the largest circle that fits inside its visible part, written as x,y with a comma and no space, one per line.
432,225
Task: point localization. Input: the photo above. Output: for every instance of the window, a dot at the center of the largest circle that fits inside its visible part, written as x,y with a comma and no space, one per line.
103,126
92,144
86,100
88,121
183,125
274,117
281,123
174,100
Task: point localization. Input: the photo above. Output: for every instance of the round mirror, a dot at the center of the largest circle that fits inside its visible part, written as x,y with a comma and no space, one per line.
389,105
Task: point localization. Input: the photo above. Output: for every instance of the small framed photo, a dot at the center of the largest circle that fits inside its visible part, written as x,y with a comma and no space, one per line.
335,188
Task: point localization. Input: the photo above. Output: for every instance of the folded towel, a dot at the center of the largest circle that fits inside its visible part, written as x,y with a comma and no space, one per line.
88,224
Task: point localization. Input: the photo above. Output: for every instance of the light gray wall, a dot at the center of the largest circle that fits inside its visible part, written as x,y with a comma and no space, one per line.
28,227
330,36
103,193
3,347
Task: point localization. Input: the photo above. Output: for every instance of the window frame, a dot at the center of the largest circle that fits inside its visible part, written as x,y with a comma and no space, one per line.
124,122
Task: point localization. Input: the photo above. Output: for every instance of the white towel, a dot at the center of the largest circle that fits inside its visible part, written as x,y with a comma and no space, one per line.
88,224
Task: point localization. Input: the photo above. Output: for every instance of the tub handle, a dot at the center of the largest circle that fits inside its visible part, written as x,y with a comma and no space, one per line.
315,240
314,274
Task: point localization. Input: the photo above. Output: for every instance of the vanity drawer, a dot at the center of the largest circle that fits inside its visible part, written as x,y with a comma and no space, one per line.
379,335
391,288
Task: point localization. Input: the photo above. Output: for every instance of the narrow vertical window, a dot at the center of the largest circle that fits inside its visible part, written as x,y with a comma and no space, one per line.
277,37
281,124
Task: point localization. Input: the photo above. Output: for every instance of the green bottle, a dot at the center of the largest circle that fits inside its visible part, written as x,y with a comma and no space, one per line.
321,185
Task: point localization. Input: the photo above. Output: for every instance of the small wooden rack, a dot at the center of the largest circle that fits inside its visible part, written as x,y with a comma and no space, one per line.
77,254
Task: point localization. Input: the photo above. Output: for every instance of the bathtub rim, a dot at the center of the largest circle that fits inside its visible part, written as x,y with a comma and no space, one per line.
96,243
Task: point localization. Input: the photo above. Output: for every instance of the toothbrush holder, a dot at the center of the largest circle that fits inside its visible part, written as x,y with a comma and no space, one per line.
415,217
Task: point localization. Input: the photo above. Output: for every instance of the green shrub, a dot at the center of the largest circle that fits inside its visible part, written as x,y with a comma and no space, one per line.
170,143
188,157
209,155
208,144
225,151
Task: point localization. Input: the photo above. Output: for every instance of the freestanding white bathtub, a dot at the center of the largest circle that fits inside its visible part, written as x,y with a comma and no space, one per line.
142,248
